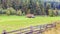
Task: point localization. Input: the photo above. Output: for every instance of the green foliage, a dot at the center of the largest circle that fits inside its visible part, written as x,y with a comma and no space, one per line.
13,11
19,12
7,12
55,12
28,12
43,11
24,4
10,11
50,12
2,11
59,12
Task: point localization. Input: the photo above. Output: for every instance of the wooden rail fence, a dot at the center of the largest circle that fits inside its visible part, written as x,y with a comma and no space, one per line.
39,29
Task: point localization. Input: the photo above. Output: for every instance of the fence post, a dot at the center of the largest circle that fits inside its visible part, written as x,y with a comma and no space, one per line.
31,27
4,32
20,31
40,32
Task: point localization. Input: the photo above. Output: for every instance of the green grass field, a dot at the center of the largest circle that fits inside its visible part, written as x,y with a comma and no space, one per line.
9,23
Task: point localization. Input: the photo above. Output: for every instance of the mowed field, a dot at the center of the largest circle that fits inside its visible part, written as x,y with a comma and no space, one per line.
10,23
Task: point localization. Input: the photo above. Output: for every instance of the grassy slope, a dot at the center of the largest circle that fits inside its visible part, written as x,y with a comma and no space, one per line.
16,22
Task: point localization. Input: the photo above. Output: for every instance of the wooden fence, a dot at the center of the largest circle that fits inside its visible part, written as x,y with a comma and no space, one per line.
39,29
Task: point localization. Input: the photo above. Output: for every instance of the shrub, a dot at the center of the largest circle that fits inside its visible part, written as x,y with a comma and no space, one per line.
7,12
50,12
12,11
59,12
19,12
1,10
55,12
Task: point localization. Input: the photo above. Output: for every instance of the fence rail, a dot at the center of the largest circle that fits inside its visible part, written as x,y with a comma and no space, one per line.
32,29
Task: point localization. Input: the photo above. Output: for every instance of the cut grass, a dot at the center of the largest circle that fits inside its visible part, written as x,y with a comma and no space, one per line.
16,22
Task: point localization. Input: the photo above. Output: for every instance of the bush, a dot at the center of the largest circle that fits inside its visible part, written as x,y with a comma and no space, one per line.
1,10
7,12
19,12
10,11
13,11
55,12
50,12
59,12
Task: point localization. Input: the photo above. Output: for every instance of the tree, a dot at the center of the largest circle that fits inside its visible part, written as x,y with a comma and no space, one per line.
32,7
4,4
38,9
19,12
47,8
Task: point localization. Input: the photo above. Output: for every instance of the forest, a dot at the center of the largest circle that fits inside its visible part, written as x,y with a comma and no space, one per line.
23,7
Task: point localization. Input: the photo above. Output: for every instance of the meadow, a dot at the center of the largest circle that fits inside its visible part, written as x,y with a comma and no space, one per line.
9,23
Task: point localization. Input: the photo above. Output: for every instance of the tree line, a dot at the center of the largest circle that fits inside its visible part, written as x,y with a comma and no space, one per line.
20,7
